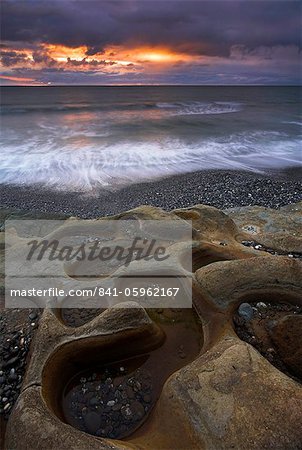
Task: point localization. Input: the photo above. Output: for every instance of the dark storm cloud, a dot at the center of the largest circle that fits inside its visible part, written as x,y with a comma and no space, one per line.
11,58
200,27
40,56
96,50
90,63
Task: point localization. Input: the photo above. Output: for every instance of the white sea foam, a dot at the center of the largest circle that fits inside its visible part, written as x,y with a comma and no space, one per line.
293,122
203,108
85,166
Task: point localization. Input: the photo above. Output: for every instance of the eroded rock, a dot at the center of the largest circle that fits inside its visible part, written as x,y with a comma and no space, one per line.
287,336
230,396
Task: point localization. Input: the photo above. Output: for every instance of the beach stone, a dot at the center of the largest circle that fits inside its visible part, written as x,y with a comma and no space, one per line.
12,377
126,412
93,401
92,422
137,410
129,392
246,311
33,315
261,306
11,361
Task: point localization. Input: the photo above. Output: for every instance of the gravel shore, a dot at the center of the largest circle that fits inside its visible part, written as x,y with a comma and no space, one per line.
219,188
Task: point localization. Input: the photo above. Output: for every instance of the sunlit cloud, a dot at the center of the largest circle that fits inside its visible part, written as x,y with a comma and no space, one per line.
116,54
21,80
61,53
160,55
109,60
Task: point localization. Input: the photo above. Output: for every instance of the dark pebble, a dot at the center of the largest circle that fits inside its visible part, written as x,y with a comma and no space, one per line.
246,311
93,401
137,410
92,422
11,362
12,377
33,315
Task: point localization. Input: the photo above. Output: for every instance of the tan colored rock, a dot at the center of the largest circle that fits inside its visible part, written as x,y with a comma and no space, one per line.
226,284
117,323
31,426
279,229
230,397
287,337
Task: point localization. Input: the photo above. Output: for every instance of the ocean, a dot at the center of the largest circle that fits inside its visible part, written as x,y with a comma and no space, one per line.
80,138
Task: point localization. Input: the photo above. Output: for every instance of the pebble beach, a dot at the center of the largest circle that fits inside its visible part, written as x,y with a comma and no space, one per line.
219,188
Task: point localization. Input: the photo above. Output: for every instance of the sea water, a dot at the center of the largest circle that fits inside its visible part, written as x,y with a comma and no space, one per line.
83,137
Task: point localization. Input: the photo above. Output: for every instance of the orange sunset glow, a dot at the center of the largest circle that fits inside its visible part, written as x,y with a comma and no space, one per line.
62,53
22,81
119,55
107,61
16,78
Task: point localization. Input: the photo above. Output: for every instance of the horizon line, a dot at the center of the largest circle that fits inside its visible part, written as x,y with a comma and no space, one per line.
149,85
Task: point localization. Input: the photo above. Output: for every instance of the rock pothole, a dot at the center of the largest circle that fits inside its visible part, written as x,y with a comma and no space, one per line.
112,400
275,330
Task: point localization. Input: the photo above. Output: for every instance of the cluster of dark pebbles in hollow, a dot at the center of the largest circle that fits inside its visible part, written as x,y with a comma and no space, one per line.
274,329
263,248
110,403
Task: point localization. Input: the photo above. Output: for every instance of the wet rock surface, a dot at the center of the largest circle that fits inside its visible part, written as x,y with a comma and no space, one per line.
275,330
263,248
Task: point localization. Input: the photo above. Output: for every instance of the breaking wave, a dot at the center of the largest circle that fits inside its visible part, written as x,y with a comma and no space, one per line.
184,108
124,163
192,107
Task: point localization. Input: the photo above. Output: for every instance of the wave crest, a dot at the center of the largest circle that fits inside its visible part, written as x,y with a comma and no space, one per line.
194,107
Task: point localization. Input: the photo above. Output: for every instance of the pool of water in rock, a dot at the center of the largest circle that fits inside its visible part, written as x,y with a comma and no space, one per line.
114,400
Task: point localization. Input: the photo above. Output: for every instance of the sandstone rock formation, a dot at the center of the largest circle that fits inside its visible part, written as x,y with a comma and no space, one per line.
230,395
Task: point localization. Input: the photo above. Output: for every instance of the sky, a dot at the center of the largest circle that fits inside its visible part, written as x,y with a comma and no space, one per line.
138,42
